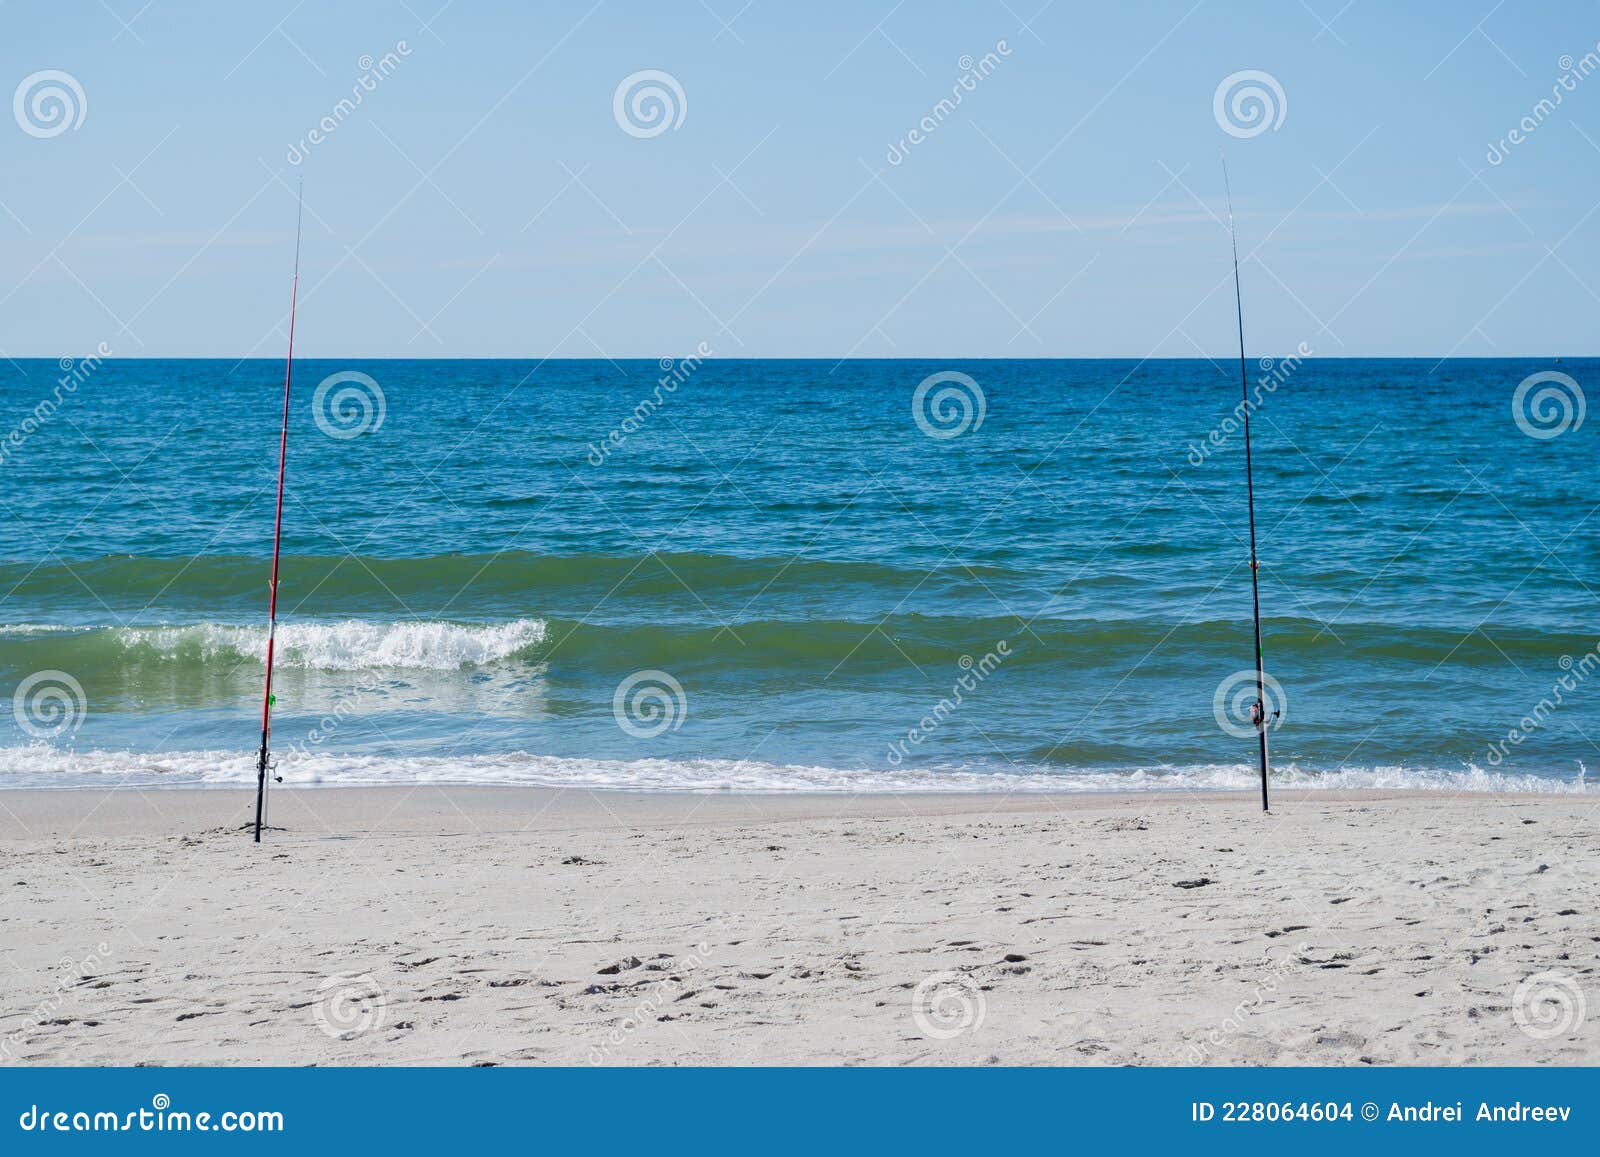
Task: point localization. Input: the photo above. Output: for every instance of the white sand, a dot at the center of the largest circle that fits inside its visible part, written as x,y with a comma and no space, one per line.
1339,930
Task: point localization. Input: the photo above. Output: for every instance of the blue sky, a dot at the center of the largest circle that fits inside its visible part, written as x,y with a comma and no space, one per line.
483,199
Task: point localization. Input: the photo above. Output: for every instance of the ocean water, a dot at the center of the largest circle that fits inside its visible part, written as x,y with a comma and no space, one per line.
800,575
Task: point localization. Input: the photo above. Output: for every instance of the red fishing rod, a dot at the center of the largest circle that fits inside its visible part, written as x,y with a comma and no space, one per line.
263,762
1258,711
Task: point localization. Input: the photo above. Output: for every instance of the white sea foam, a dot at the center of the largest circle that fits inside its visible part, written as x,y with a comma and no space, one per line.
42,765
348,644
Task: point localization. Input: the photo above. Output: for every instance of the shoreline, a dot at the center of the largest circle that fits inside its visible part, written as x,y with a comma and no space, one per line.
1562,790
518,925
42,767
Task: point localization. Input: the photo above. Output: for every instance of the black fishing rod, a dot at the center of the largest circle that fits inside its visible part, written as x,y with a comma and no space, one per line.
1258,711
263,762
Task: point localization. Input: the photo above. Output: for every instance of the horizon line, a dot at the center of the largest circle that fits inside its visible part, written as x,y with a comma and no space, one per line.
1227,357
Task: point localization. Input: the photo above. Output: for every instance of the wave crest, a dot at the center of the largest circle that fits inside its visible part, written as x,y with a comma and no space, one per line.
45,765
345,645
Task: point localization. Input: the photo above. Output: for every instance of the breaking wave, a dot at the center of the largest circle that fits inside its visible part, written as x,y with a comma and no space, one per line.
346,645
42,765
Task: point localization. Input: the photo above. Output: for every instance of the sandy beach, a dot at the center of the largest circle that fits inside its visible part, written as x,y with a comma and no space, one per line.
474,926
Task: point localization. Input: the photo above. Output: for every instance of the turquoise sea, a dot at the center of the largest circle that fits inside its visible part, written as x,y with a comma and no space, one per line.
782,575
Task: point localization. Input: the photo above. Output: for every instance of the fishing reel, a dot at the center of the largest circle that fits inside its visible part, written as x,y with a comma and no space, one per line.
1256,714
